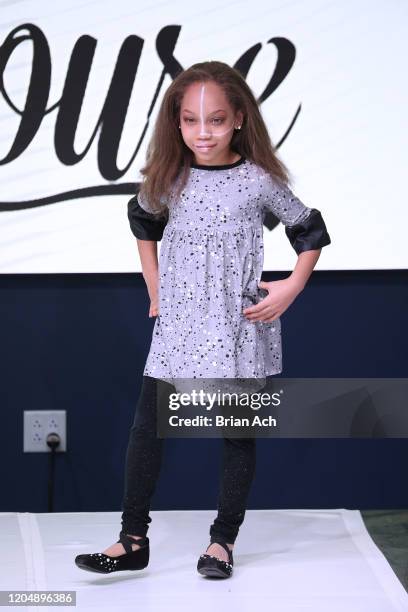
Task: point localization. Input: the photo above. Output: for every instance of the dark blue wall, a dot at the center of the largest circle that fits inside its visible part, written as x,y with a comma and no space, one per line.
79,343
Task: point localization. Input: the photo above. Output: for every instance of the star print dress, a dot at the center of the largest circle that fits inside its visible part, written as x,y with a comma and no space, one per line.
210,263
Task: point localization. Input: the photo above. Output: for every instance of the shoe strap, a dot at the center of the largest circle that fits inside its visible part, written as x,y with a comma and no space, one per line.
127,541
222,543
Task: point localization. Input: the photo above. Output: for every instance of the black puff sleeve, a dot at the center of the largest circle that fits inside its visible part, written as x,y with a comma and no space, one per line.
145,225
309,234
304,226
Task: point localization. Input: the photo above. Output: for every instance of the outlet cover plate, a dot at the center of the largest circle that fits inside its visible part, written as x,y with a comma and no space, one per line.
38,424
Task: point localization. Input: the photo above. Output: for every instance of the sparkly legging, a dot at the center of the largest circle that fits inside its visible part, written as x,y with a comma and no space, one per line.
143,463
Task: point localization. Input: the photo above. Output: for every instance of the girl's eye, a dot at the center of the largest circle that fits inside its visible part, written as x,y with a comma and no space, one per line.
216,120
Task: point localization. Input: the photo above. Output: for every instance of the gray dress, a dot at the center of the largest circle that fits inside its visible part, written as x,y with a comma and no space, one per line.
210,263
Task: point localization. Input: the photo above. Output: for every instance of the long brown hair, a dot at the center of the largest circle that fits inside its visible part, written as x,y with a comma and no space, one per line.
167,154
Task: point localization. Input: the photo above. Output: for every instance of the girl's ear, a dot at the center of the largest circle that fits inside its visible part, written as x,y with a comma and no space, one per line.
239,117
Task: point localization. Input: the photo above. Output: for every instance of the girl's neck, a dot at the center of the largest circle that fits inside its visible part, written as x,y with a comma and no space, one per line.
229,157
238,162
231,160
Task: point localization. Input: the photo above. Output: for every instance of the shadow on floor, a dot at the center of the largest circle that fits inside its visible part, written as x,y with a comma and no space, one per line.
389,530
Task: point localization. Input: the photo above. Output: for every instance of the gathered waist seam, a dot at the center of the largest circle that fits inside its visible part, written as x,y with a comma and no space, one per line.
217,230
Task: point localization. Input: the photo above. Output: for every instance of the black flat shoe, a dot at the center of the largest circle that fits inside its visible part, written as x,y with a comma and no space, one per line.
208,565
105,564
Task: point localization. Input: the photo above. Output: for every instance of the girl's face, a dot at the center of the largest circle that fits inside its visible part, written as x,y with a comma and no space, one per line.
207,123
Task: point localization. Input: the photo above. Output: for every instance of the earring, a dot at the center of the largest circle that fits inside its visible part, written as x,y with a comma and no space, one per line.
180,127
238,128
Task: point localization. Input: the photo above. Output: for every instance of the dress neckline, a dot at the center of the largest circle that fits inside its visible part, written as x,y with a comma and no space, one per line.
239,161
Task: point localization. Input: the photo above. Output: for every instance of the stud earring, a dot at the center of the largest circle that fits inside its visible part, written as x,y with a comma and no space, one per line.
238,127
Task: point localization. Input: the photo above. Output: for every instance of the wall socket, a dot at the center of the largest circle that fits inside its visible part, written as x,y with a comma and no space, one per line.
38,424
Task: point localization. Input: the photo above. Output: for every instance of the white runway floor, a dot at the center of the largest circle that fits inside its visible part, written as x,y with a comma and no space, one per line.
284,560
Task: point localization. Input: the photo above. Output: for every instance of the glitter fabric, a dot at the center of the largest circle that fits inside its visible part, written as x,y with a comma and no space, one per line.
143,466
210,263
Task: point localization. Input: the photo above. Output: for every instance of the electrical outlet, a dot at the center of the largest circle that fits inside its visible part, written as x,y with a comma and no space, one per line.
38,424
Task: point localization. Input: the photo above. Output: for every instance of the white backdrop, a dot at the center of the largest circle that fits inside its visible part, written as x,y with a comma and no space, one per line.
62,208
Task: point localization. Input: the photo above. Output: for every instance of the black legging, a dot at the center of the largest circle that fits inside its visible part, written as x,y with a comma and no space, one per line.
143,462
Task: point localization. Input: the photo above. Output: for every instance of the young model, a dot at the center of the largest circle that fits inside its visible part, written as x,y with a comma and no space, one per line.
211,176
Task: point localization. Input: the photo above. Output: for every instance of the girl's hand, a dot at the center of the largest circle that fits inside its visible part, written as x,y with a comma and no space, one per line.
280,296
154,306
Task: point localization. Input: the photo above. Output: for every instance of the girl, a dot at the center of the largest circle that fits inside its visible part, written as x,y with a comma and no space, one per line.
211,177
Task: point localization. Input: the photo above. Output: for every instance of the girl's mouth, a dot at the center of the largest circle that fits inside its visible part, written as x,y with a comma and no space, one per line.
204,147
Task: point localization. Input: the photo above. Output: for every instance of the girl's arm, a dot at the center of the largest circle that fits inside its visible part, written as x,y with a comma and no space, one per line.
307,233
148,229
150,264
305,264
282,293
150,269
